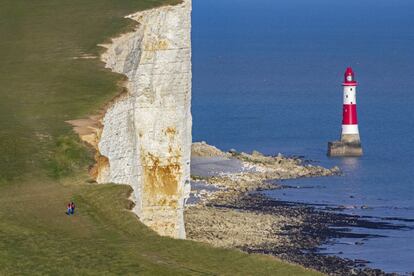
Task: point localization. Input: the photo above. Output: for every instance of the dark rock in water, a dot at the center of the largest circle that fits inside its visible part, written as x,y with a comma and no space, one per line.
359,261
305,239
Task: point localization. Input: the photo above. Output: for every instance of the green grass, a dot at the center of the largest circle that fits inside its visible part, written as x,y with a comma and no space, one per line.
104,238
43,164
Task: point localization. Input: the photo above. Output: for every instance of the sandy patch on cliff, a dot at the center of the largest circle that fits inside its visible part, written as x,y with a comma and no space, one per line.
86,127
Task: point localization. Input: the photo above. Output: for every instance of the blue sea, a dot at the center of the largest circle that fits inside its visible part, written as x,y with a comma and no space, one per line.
267,76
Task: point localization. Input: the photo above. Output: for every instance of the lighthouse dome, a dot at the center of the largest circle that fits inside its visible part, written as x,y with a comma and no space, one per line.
349,77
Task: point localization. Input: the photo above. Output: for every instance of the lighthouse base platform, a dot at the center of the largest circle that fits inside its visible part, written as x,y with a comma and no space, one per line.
344,148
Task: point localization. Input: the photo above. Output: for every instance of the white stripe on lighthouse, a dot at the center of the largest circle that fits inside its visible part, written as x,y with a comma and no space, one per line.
349,94
350,129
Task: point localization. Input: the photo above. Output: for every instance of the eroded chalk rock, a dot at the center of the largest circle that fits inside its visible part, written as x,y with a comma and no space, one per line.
145,139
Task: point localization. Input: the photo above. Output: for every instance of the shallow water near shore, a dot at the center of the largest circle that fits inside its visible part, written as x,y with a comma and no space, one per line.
267,77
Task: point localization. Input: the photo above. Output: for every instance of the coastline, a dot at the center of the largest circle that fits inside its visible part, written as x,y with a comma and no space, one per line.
227,210
90,130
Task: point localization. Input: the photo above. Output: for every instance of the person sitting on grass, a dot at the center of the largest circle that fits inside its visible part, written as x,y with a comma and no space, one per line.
72,208
69,210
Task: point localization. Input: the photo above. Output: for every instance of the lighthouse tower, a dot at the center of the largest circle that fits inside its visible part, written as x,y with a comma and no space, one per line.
350,143
350,130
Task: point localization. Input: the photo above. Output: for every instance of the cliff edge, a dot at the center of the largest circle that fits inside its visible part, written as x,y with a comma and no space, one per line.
144,137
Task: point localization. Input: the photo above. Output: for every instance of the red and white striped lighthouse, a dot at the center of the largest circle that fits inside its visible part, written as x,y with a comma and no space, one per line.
350,130
350,143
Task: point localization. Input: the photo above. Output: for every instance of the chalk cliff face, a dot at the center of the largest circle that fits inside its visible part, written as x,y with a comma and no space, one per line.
145,139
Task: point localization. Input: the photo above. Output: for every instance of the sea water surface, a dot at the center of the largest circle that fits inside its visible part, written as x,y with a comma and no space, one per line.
267,76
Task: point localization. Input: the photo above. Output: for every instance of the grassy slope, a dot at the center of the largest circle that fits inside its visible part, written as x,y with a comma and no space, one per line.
42,163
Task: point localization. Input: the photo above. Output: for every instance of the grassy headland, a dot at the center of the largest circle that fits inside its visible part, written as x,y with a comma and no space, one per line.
43,164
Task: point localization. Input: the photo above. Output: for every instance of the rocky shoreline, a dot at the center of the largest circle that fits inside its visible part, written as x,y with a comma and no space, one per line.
227,211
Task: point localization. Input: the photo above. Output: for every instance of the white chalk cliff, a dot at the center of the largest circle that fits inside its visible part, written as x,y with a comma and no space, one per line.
145,140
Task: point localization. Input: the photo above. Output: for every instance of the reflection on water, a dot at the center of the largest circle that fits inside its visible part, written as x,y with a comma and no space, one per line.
349,163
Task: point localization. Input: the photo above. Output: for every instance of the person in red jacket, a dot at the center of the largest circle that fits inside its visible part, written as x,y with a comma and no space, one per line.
69,209
72,208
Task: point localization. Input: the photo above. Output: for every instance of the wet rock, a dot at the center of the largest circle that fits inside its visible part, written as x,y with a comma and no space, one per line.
202,149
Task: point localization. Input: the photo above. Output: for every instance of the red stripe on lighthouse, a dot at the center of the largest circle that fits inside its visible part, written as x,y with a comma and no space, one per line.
349,115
